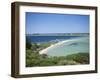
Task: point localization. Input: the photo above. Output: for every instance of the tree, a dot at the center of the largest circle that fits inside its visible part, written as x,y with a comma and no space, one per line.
28,44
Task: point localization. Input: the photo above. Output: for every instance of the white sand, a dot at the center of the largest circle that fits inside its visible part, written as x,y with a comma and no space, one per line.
44,51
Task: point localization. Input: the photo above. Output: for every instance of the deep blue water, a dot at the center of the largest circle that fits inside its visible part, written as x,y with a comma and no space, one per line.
42,39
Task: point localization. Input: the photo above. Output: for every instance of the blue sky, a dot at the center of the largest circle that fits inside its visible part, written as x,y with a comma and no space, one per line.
56,23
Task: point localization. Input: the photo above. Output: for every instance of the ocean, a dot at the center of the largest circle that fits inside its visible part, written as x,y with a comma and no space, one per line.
72,46
75,44
42,39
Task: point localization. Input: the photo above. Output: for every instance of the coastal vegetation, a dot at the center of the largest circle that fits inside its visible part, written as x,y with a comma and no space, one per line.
33,58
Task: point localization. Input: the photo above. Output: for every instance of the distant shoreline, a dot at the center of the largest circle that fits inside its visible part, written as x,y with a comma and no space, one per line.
58,34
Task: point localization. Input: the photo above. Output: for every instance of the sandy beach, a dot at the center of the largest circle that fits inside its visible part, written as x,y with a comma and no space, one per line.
44,51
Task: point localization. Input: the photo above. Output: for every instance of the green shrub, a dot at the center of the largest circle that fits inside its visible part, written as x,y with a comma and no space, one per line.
82,58
33,58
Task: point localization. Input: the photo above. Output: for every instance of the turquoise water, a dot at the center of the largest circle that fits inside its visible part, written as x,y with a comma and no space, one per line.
79,45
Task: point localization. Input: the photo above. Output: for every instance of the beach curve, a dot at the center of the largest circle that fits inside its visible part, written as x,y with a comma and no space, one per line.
44,51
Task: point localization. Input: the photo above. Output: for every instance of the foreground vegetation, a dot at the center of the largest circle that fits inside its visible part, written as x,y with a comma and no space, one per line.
33,58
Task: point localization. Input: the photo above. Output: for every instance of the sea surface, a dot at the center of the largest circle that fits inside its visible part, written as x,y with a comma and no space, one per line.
80,45
42,39
75,44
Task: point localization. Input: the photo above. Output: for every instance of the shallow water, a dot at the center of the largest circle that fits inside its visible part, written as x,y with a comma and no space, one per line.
79,45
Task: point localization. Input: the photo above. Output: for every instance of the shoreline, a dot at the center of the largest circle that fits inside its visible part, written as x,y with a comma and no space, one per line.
44,51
